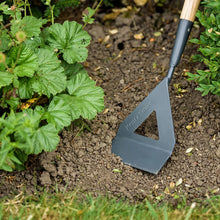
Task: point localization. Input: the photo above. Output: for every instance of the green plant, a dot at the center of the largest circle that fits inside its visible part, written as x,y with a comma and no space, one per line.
160,3
43,86
55,7
109,3
209,48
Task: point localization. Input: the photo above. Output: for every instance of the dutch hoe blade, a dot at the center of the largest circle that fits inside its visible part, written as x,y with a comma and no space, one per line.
142,152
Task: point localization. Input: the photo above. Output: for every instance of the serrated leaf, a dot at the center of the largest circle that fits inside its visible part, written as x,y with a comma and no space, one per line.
35,42
48,83
6,78
72,69
15,159
71,39
4,7
5,148
45,138
26,63
30,118
87,18
75,54
58,113
25,88
5,40
13,102
85,98
50,77
47,59
29,24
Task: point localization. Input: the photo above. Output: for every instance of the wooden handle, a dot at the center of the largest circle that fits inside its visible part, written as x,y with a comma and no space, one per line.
189,10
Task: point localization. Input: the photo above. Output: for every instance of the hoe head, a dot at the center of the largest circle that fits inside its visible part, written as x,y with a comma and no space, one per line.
143,152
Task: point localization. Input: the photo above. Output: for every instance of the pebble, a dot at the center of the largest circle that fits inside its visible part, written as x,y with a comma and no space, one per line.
174,158
45,178
113,119
197,113
102,145
97,32
81,153
211,115
60,171
218,152
199,183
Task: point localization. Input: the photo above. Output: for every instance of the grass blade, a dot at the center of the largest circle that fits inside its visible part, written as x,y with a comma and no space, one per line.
165,213
133,212
151,210
189,213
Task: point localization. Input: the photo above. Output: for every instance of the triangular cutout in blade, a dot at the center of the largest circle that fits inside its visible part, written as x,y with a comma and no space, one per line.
149,127
142,152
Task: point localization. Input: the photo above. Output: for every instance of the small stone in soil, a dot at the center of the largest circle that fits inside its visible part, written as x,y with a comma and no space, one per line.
45,179
218,152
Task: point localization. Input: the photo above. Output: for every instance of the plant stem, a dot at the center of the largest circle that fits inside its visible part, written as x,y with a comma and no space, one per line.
94,12
27,4
25,8
52,16
9,70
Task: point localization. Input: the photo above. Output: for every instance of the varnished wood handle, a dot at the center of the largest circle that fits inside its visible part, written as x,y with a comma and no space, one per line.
189,9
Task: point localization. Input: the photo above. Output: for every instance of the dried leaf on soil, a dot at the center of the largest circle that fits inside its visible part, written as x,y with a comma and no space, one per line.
117,171
140,2
179,182
189,150
113,31
139,36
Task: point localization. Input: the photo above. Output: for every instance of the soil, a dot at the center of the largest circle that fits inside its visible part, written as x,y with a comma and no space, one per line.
128,69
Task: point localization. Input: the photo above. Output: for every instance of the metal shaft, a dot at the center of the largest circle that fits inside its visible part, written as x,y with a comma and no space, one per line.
182,35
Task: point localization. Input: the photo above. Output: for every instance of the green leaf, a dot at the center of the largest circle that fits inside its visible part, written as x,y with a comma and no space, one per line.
50,77
71,40
75,54
72,69
25,88
87,18
13,102
58,113
45,138
26,63
15,159
35,42
47,59
85,98
5,40
6,78
26,127
29,24
4,151
29,118
4,7
195,41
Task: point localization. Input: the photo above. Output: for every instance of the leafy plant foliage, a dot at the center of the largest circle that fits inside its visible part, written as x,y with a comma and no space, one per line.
209,79
43,86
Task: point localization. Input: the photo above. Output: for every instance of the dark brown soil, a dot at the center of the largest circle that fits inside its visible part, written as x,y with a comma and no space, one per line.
128,69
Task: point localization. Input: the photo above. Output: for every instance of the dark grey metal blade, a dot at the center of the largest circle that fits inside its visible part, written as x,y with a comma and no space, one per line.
142,152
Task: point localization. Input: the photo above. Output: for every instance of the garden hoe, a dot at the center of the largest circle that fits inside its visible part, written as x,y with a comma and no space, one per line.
143,152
